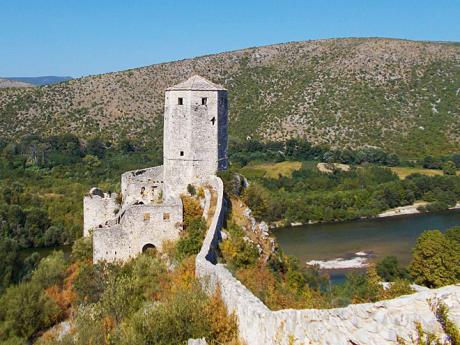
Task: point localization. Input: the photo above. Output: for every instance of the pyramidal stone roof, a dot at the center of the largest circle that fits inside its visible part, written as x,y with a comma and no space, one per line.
196,82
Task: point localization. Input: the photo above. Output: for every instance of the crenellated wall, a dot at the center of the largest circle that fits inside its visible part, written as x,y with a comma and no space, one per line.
364,324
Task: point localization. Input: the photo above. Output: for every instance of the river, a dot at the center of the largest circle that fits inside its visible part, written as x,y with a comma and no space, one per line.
360,241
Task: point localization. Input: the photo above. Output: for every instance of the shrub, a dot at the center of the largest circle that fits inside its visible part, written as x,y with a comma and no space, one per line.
26,309
191,189
435,260
389,269
192,239
449,168
238,252
180,317
192,209
51,270
82,249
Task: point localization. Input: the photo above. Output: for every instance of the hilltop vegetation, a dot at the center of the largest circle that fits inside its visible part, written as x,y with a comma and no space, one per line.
400,96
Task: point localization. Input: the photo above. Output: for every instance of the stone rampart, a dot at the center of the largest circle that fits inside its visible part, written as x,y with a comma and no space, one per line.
371,323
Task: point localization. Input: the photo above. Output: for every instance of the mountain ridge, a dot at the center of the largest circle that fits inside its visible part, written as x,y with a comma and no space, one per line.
399,95
7,83
41,80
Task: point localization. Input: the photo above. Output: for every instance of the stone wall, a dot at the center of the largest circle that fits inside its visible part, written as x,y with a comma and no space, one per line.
138,226
195,137
98,208
371,323
143,185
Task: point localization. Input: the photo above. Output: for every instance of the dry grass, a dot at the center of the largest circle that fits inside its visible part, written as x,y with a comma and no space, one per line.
272,170
403,172
212,206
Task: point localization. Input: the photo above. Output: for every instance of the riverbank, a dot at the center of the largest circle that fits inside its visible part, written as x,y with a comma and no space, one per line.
394,212
409,209
355,244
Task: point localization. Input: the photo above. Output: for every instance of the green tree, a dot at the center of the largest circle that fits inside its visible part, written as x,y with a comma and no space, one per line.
449,168
95,147
9,263
91,161
51,270
389,269
435,260
26,309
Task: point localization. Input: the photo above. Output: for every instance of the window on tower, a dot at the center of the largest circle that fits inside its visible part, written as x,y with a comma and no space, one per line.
204,100
182,153
180,101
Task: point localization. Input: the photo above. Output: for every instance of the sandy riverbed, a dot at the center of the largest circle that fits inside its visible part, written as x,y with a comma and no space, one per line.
405,210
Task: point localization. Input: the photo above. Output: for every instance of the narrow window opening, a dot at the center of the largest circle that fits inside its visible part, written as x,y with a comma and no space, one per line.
180,101
213,120
182,153
204,100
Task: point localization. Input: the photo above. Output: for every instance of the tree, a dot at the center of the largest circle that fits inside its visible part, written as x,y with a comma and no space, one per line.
435,260
26,309
9,263
388,268
95,147
392,160
257,198
91,161
456,159
449,168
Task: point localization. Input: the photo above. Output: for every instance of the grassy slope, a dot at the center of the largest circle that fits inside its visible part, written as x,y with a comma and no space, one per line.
395,94
273,170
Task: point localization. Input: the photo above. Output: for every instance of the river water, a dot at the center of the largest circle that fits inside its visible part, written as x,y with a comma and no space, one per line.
349,243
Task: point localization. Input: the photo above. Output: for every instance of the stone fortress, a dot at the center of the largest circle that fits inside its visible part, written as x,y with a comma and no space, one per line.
149,209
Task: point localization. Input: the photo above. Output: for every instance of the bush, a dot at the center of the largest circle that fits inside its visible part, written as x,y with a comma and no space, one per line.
449,168
192,210
191,189
192,239
389,269
82,249
435,259
180,317
25,310
51,270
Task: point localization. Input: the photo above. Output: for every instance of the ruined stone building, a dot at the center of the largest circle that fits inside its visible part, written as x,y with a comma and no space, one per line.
149,209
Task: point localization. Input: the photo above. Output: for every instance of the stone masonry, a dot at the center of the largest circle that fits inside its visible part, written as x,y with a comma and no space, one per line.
149,209
377,323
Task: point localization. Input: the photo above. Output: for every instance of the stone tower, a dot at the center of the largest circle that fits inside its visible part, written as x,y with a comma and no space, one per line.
195,133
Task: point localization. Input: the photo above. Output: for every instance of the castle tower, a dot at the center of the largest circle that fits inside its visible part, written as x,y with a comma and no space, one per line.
195,133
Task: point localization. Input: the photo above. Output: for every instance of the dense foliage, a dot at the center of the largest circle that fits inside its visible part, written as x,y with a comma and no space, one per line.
42,182
283,282
151,299
436,258
245,151
309,195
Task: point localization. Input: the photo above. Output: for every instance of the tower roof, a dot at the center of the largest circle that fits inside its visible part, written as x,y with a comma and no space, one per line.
196,83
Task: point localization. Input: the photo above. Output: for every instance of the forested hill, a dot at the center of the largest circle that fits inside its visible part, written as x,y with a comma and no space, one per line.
402,96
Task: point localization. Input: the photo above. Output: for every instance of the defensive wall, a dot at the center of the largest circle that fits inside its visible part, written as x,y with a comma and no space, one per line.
364,324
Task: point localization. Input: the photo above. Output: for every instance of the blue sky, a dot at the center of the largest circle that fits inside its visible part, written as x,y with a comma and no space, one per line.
82,37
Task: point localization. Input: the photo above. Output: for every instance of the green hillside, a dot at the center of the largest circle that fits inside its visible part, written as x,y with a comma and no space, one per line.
402,96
